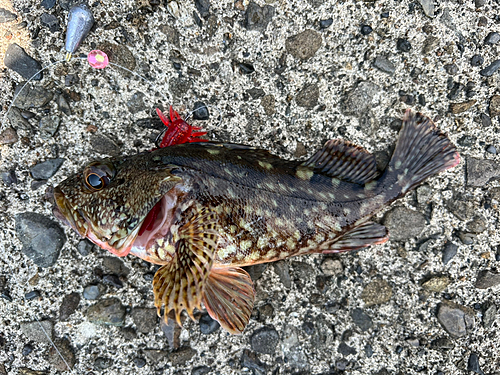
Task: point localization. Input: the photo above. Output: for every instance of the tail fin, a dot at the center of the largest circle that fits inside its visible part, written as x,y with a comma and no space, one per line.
422,151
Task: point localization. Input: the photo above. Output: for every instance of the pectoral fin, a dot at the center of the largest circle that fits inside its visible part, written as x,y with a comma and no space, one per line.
362,236
179,284
229,297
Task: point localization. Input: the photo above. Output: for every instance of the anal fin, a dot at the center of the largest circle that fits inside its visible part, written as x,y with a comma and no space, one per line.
366,234
229,297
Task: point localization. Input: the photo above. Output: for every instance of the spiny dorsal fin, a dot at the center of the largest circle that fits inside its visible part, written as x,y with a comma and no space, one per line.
179,284
366,234
229,297
343,160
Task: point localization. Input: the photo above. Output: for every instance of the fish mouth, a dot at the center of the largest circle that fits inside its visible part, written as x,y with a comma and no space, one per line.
74,218
153,226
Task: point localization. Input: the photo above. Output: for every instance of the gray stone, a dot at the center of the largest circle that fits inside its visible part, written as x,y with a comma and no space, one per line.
489,316
31,96
48,126
332,267
449,252
457,108
268,103
8,136
360,99
303,46
119,54
430,43
477,225
257,17
63,105
437,284
384,65
457,320
428,7
116,265
46,169
17,121
91,292
492,38
282,270
404,223
172,332
308,96
250,360
376,293
486,279
84,247
69,305
7,16
361,319
202,370
42,238
490,69
181,356
65,350
104,145
19,61
346,350
473,364
424,194
494,107
256,270
466,238
208,325
264,340
107,312
38,331
145,319
479,172
154,355
50,21
203,7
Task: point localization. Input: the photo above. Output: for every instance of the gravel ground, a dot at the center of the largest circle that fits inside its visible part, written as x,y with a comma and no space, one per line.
286,76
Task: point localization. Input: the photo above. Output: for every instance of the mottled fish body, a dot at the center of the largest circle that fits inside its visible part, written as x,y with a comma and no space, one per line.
203,210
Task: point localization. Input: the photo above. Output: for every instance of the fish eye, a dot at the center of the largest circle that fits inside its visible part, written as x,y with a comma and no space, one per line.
98,175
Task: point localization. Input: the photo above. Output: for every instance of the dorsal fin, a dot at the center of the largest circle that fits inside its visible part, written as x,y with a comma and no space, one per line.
343,160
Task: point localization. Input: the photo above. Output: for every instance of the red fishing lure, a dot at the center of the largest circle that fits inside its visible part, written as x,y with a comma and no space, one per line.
178,132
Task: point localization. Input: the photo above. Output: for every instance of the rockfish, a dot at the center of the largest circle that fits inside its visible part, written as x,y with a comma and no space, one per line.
204,210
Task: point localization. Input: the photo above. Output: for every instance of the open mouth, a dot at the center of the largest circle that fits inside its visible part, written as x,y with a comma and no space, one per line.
155,225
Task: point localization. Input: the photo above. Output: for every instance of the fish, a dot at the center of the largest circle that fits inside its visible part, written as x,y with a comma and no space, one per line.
204,210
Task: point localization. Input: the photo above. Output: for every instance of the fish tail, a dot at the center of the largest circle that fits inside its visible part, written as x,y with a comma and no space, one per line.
422,150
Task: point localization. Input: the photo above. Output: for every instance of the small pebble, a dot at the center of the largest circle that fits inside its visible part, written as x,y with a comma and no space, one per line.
7,16
304,45
108,311
257,17
473,364
50,21
8,136
69,305
208,325
32,295
457,320
200,111
91,292
366,29
449,252
324,24
264,340
9,178
46,169
491,149
403,45
84,247
451,69
246,68
384,65
477,60
139,362
492,38
19,61
112,280
27,349
490,69
48,4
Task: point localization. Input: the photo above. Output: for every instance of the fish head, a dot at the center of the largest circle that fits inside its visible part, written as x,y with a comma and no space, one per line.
108,200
